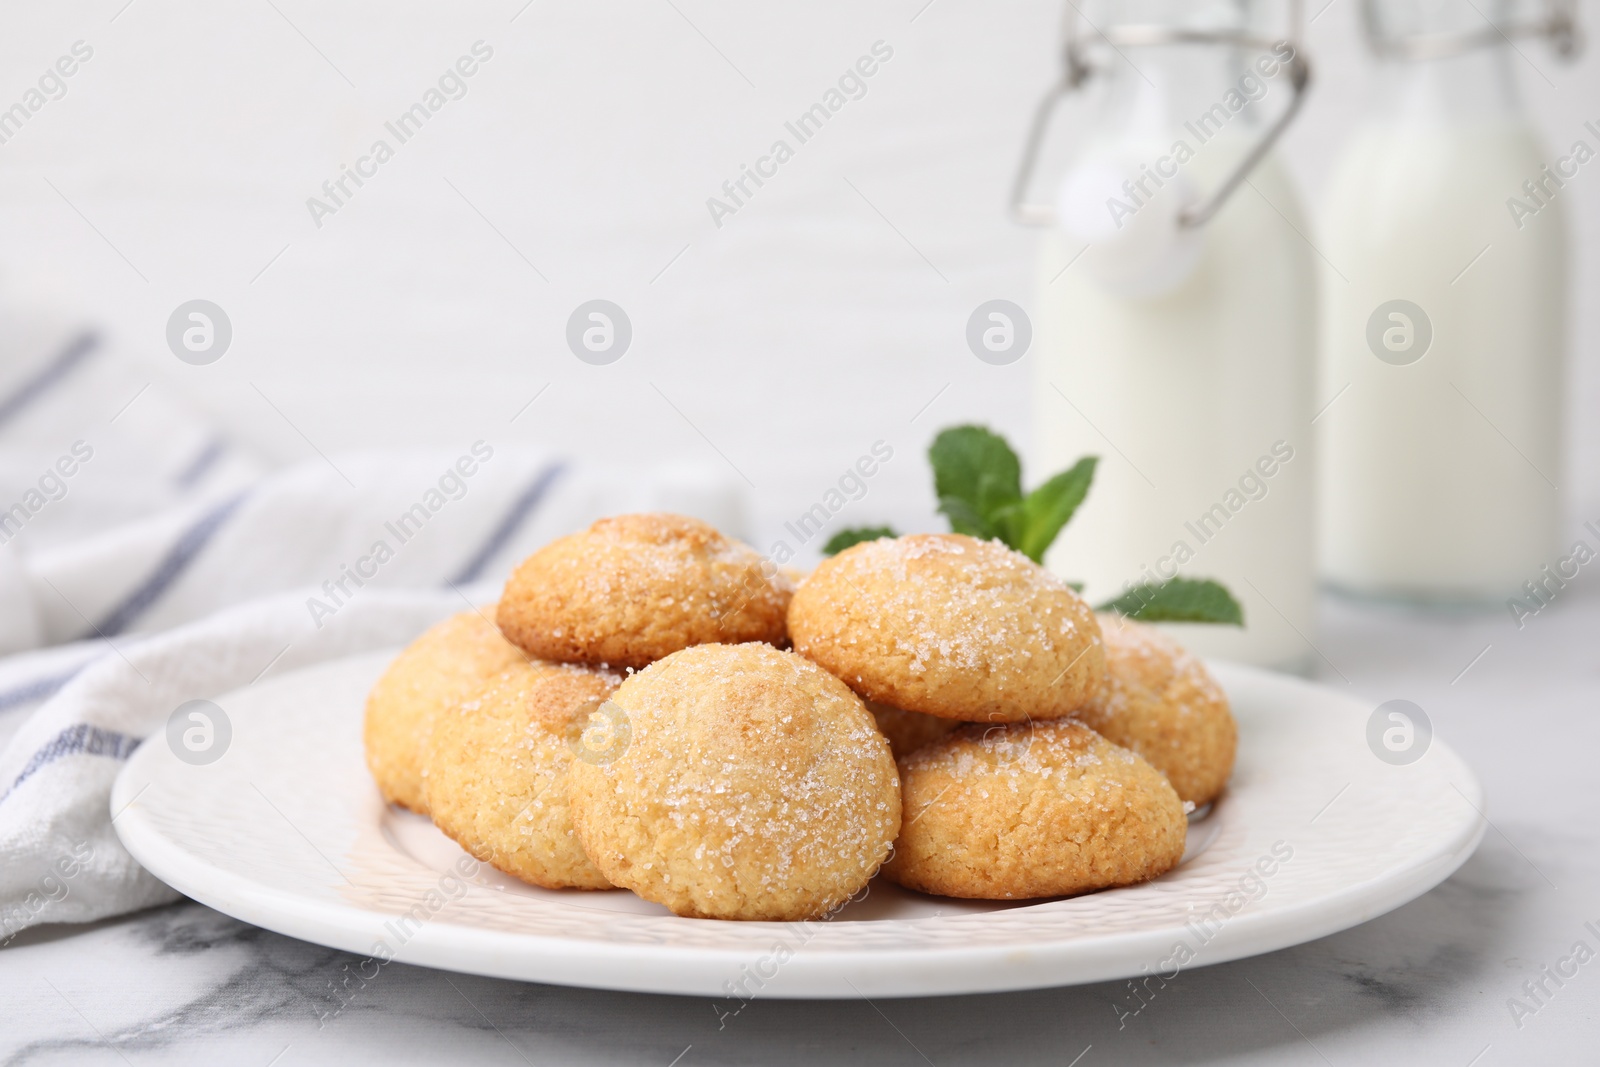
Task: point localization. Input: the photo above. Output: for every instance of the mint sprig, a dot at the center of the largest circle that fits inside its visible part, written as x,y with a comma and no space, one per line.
978,480
1178,600
854,535
1051,506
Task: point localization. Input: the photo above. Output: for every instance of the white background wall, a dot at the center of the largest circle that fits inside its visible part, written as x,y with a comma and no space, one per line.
790,339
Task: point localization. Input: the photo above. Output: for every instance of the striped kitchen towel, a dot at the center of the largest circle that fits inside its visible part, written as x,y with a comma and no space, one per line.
145,561
60,858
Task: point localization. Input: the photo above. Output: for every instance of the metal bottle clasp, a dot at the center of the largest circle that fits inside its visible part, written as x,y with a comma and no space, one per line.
1559,27
1077,68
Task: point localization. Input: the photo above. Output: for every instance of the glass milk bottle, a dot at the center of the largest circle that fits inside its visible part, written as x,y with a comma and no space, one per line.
1445,295
1176,319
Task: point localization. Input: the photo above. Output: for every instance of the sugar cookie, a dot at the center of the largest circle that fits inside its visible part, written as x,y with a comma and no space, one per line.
443,666
754,786
634,588
1161,702
908,731
496,769
948,625
1029,810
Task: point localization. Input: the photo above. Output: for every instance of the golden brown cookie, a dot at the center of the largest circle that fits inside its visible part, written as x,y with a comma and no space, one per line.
631,589
754,785
443,666
1027,810
908,731
496,767
952,626
1161,702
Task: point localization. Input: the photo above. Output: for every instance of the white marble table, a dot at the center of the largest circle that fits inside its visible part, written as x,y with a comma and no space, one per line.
1428,983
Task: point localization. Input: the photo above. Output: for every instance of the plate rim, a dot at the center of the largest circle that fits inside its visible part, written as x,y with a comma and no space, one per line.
810,971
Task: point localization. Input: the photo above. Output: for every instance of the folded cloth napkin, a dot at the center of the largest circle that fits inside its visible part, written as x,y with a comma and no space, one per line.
62,861
137,574
88,441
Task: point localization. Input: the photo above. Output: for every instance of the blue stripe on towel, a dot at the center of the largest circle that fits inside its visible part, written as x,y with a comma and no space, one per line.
38,689
169,570
521,508
76,351
80,738
202,463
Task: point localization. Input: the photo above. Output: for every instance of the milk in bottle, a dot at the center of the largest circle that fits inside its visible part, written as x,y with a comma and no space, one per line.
1445,291
1176,307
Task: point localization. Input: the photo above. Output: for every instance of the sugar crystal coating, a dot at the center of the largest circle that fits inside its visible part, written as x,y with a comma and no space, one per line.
497,767
1024,810
952,626
754,786
633,588
445,665
1160,701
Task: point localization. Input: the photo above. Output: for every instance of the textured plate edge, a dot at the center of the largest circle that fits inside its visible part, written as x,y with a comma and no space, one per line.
807,975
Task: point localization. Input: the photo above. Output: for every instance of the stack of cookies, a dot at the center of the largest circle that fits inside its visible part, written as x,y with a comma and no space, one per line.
657,707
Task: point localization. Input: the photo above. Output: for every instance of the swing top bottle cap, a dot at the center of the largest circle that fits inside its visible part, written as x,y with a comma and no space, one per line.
1129,220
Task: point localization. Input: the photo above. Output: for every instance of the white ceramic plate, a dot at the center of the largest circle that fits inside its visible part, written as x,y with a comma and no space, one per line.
286,831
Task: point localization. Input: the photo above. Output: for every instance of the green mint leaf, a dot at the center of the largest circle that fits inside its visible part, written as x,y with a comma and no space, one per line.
1178,600
996,492
976,467
964,518
1049,507
1008,522
854,535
